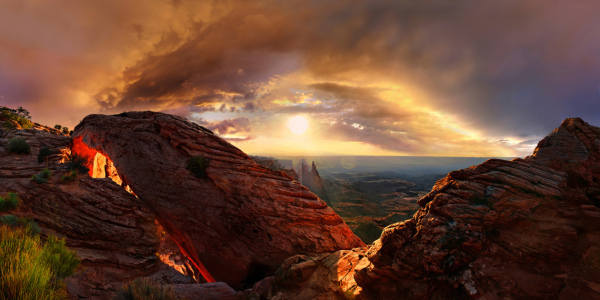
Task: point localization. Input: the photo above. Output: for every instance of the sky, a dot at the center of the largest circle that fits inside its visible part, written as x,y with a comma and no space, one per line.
367,77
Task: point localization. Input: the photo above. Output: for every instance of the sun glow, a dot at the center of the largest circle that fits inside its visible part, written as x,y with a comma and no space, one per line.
297,124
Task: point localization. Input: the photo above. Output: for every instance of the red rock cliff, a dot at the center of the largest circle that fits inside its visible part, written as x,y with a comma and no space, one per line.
241,221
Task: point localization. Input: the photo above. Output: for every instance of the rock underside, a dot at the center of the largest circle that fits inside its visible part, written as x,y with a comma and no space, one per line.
239,222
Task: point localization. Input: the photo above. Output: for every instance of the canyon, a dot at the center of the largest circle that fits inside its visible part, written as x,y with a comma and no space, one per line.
522,229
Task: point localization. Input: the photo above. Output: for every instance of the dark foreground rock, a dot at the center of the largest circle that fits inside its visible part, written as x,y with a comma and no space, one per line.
522,229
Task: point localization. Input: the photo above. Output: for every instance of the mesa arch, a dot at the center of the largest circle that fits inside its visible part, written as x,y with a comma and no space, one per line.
238,224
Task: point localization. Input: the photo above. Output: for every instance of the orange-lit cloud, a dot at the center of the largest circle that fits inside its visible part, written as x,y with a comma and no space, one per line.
456,78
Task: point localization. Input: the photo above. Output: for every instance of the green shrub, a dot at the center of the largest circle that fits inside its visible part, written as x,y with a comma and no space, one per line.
9,202
19,115
58,126
45,173
144,289
9,220
28,267
198,165
69,177
38,179
18,145
62,260
65,130
26,224
77,162
42,177
29,226
44,152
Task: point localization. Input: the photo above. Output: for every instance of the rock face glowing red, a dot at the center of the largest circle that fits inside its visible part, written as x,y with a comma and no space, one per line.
241,221
521,229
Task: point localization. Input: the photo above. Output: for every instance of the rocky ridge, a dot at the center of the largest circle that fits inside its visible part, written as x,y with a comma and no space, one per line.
521,229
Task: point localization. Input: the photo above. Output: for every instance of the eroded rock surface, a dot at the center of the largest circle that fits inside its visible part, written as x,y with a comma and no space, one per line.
522,229
112,231
240,222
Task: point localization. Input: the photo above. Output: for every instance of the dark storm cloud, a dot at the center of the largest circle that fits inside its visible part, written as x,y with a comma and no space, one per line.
516,66
512,68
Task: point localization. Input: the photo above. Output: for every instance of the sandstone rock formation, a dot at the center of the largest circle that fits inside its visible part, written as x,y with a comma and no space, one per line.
311,179
521,229
112,231
238,224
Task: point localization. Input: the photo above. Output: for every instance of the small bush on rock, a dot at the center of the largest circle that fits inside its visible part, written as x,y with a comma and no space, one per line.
26,224
42,177
61,260
9,220
58,126
144,289
18,145
9,202
19,115
44,152
77,162
65,130
198,165
69,177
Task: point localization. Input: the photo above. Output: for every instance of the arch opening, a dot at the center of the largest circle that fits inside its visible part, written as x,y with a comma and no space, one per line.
101,166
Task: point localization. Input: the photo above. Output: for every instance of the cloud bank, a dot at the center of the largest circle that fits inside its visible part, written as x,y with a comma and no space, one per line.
453,78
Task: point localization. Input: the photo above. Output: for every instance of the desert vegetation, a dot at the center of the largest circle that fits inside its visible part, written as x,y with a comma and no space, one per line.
18,145
9,202
69,177
44,152
198,165
11,117
43,176
144,289
77,162
31,268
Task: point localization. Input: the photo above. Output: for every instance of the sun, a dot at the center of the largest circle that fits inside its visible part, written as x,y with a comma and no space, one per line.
297,124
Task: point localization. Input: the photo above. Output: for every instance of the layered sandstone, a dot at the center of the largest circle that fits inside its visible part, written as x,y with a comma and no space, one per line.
240,222
522,229
113,232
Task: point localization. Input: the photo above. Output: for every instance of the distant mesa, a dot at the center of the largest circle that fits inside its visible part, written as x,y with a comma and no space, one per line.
311,179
